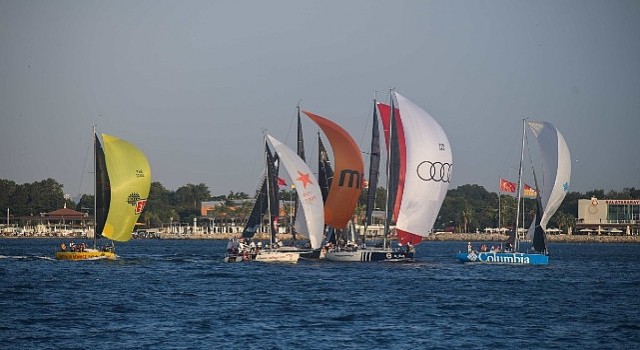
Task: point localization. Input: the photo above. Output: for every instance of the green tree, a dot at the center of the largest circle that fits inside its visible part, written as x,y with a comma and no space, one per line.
160,206
191,196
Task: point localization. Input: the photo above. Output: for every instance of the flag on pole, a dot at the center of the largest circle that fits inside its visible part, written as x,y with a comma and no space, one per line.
507,186
281,182
529,191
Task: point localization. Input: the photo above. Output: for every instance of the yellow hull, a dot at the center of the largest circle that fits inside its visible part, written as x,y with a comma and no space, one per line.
86,255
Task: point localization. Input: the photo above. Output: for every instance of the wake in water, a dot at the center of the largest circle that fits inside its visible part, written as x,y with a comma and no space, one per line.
26,257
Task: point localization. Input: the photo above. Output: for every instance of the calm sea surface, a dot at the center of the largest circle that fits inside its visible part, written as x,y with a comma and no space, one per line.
180,295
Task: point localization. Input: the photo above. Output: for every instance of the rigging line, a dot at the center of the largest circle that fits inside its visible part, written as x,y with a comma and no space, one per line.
533,170
84,165
364,130
505,168
295,116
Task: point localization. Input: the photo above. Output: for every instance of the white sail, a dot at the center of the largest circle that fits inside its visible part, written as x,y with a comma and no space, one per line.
307,188
556,168
428,169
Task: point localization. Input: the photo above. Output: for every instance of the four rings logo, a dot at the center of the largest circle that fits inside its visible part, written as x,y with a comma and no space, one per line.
434,171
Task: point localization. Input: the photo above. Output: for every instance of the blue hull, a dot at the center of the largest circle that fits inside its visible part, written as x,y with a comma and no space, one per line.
504,258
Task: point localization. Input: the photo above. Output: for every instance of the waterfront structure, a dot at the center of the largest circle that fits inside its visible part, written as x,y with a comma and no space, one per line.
608,216
63,222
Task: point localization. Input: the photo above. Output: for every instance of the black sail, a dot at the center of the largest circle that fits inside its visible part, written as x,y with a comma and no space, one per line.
300,152
274,193
262,200
103,188
539,240
325,172
394,164
374,165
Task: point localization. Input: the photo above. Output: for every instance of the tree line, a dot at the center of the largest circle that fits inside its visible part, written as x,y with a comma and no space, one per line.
466,208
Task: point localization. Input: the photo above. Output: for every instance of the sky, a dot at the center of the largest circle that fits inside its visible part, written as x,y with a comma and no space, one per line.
195,84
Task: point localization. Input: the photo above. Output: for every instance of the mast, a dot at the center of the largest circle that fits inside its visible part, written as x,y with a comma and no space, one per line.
300,148
325,176
374,167
95,188
325,173
518,194
499,206
300,152
268,178
387,206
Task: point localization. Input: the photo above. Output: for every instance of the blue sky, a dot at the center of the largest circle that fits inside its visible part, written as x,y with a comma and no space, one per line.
194,83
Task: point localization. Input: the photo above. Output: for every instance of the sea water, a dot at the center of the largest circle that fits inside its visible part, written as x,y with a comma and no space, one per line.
179,294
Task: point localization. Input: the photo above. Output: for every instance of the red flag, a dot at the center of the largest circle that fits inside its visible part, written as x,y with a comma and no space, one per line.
507,186
529,191
281,182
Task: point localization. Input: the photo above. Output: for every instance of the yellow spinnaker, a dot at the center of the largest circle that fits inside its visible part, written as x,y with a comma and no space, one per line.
130,180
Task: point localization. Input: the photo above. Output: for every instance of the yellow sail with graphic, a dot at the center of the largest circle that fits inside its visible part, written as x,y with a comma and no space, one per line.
129,177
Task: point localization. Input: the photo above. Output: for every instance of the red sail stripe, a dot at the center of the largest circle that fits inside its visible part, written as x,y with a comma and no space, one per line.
385,115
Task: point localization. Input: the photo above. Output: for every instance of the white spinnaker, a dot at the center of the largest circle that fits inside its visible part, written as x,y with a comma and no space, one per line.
428,169
309,194
556,168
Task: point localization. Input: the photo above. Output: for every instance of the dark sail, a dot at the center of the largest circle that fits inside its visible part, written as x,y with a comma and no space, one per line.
300,152
325,173
394,164
103,188
325,176
539,236
300,148
259,208
261,204
374,165
539,240
511,241
274,193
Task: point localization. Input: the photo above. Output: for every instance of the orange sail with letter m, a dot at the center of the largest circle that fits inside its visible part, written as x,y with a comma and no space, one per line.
348,173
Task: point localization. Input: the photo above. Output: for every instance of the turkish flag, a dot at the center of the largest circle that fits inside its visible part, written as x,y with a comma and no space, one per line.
507,186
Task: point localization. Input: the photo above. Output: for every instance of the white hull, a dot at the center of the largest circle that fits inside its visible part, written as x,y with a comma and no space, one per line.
277,257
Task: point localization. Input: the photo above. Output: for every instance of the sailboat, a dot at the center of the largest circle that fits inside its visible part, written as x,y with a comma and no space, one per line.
340,186
310,201
239,250
415,144
122,184
556,165
311,217
419,168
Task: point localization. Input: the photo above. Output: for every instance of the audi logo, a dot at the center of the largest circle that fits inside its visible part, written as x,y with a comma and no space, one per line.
434,171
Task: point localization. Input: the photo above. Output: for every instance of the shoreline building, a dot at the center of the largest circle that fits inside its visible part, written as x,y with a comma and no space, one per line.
614,217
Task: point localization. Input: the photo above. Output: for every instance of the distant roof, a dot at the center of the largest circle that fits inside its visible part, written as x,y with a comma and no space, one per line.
64,212
212,203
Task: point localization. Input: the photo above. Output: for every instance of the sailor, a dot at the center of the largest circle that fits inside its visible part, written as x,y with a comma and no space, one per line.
409,247
469,247
63,247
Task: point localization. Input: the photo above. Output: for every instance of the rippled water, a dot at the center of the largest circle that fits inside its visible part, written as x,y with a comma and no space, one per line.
180,295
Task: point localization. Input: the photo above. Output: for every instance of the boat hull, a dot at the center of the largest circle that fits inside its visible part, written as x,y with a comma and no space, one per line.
232,258
504,258
368,255
278,257
86,255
